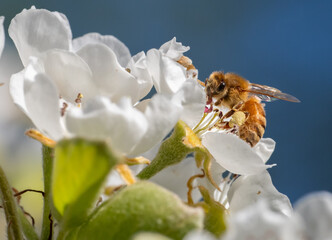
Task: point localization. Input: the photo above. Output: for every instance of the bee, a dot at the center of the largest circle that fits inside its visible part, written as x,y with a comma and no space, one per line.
236,93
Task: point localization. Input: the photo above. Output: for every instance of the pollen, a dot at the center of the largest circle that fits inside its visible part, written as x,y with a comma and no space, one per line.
78,99
238,118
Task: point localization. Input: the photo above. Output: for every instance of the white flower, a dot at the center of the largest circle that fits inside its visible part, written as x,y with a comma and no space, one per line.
247,190
229,151
257,222
81,87
315,212
167,74
310,220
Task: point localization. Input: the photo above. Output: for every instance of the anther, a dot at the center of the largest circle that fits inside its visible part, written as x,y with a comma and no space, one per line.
208,110
63,109
78,99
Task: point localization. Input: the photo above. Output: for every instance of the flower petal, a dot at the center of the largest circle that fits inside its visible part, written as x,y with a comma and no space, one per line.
16,90
101,119
175,177
138,69
257,221
70,73
162,116
2,35
42,102
191,97
112,79
37,30
119,48
233,154
167,75
247,190
199,235
173,49
264,148
316,212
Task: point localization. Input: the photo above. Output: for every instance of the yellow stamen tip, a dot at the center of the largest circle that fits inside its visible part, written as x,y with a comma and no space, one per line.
111,189
201,83
137,160
33,133
125,173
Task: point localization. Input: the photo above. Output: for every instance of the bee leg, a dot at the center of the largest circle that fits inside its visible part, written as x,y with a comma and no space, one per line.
233,110
238,106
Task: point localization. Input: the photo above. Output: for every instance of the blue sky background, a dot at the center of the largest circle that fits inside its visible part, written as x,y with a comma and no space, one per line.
285,44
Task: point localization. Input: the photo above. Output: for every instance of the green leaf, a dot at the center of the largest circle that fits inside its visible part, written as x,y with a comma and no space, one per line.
80,169
214,221
173,150
142,207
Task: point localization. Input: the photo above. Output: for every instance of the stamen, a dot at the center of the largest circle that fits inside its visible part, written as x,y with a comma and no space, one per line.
33,133
208,110
137,160
204,115
191,188
209,124
186,62
125,173
78,100
201,83
63,109
111,189
128,70
228,181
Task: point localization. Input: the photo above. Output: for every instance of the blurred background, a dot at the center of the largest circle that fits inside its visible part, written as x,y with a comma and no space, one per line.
286,44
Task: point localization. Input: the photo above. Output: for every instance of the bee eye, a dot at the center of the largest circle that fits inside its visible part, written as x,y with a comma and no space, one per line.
221,86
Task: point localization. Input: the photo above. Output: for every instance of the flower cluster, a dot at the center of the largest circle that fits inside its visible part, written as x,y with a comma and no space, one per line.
91,88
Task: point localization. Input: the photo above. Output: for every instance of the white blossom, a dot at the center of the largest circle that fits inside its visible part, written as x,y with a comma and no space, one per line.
167,74
310,220
81,87
230,153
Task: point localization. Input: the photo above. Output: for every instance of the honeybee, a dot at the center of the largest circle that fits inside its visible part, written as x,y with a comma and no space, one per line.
233,91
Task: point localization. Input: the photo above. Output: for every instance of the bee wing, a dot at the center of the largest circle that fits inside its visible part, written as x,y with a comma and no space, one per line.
266,93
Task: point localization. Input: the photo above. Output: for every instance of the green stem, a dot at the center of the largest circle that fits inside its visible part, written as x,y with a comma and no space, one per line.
48,155
14,229
28,229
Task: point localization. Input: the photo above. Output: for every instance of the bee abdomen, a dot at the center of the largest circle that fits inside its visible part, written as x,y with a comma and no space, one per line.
254,127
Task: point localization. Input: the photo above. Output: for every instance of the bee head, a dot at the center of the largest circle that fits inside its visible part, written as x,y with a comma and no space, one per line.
216,86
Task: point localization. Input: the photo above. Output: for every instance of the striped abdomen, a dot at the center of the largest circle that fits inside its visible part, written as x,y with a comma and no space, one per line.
253,129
